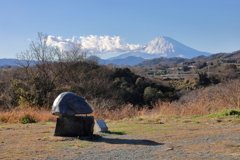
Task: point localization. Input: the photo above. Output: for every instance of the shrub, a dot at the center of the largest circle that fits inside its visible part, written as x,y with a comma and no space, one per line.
151,94
4,118
139,119
27,118
229,112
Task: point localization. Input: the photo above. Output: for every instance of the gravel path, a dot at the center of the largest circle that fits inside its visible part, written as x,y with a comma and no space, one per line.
124,147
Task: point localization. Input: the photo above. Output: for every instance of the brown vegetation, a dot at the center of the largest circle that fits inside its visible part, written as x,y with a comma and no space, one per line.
199,102
195,103
26,115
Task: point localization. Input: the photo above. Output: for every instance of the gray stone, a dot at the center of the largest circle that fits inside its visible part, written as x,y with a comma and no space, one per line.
74,126
100,126
70,104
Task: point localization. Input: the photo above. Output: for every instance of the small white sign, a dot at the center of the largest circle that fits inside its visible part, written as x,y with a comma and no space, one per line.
100,126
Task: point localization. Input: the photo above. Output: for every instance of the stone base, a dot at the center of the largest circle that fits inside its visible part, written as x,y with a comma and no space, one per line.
74,126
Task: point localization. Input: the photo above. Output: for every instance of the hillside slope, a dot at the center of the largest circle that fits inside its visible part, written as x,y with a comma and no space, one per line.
232,56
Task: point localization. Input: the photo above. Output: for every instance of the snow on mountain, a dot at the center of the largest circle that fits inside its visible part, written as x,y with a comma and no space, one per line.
168,47
160,46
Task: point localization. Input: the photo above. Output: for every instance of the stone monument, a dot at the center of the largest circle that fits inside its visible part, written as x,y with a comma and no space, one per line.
66,106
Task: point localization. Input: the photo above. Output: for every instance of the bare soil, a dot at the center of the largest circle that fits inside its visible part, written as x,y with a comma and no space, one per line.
163,138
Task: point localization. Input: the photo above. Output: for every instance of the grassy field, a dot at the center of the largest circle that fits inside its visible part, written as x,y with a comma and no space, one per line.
35,140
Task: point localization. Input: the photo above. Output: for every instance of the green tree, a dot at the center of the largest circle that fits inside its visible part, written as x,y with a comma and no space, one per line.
203,78
151,95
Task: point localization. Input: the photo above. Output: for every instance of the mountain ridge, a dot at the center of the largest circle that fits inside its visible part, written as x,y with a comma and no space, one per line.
8,61
134,61
176,60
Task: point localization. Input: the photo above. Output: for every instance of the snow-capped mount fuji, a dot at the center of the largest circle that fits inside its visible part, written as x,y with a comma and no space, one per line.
163,47
160,46
168,47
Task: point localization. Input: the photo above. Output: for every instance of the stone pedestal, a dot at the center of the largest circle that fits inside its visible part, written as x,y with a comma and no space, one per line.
74,126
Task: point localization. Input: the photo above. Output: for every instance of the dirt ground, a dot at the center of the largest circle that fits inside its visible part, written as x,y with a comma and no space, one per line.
163,138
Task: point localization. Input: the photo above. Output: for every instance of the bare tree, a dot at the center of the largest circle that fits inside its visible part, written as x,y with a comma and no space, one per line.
46,66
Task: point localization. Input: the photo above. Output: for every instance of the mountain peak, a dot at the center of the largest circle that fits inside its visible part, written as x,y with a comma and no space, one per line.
160,45
168,47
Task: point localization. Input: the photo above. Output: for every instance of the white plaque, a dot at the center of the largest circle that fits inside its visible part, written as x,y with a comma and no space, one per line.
100,126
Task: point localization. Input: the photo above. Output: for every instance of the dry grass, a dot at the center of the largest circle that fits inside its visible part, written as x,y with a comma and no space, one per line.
26,141
18,115
200,106
203,102
200,102
125,111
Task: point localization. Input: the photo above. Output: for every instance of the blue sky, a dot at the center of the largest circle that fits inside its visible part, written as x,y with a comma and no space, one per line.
205,25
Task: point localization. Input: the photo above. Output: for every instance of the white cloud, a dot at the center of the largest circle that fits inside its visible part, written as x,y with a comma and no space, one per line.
63,44
94,44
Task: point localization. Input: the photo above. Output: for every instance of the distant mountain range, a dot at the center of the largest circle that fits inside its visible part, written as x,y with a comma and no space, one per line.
5,61
12,62
162,49
131,61
136,54
140,62
159,47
